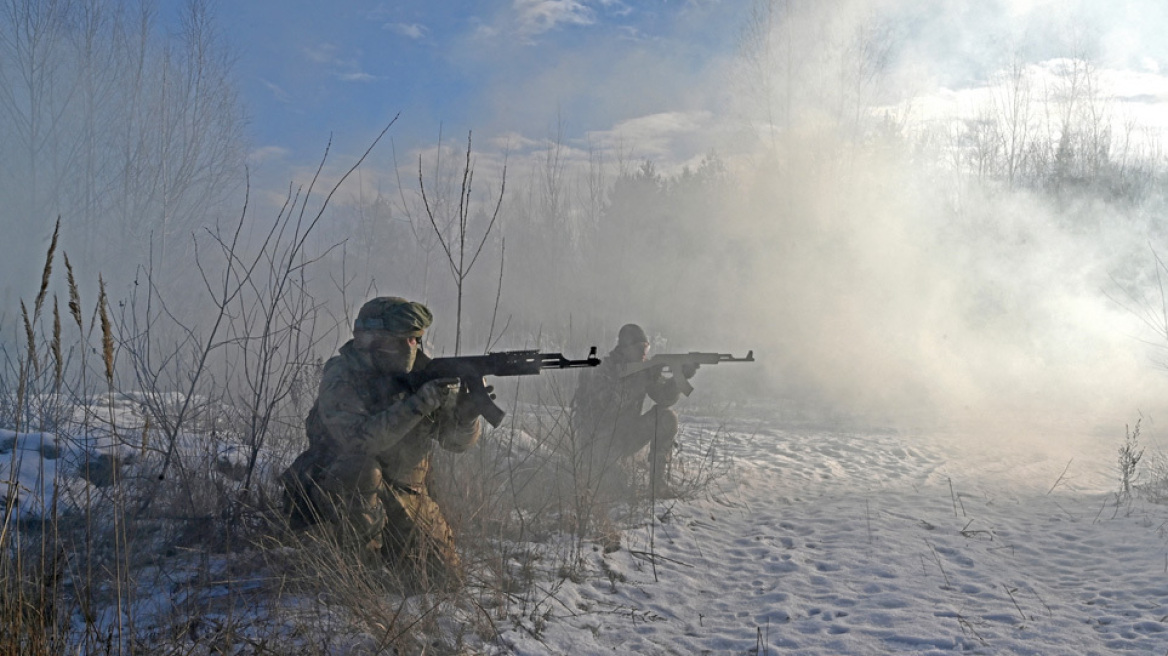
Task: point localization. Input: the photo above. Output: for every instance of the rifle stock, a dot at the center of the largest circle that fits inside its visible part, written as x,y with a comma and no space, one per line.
675,361
472,369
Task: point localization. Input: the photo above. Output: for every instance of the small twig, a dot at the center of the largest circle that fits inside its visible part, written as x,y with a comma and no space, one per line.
1010,591
1069,515
868,518
1049,612
965,532
656,556
956,500
1060,478
937,558
1101,507
498,294
966,625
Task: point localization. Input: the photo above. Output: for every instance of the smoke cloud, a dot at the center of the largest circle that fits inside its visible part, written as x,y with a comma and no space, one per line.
916,214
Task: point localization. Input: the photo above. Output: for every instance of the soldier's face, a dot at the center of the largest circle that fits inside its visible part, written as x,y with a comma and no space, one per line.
636,351
392,353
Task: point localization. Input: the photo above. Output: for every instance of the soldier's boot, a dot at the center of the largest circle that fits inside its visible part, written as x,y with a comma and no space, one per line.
663,489
298,482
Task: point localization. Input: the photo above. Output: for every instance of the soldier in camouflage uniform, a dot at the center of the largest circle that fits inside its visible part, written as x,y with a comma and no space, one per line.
369,440
607,410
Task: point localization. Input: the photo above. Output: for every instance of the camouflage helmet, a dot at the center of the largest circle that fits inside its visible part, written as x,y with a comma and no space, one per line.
394,314
631,333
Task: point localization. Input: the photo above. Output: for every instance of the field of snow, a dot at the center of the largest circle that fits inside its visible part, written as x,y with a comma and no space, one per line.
824,542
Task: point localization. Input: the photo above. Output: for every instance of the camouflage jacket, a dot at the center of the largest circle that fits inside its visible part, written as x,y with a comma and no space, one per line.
604,397
361,411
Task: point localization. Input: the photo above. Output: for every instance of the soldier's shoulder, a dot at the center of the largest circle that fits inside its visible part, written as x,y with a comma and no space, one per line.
611,366
603,375
341,368
602,370
334,366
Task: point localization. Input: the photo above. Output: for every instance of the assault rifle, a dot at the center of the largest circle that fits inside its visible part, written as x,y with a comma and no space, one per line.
675,361
470,370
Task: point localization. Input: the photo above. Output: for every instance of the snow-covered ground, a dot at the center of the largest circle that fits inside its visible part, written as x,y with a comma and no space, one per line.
823,541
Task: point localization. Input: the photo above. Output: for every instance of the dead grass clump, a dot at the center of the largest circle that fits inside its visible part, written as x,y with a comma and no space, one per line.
531,512
33,615
322,580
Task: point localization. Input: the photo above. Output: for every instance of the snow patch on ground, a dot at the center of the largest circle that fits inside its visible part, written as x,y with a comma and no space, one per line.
809,540
873,543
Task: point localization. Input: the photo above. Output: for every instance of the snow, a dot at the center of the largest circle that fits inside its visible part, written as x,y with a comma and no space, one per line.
42,463
872,543
45,462
823,541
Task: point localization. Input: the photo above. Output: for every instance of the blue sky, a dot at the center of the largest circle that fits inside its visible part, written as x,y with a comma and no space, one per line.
308,69
655,75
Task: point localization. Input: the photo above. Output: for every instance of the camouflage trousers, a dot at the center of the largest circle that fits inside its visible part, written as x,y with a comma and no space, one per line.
400,524
609,443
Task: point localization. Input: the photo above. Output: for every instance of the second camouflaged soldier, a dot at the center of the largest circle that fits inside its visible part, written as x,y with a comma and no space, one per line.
369,446
607,411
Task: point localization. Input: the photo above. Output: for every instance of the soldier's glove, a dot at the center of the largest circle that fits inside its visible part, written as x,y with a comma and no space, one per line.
465,409
441,393
688,370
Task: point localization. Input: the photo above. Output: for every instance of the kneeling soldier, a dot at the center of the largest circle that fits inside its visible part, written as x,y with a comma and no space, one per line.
369,446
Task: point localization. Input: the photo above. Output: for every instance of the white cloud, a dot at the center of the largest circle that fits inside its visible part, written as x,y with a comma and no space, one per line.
662,124
324,53
512,140
278,92
346,70
266,153
483,30
670,139
408,30
539,16
1134,103
1137,86
616,7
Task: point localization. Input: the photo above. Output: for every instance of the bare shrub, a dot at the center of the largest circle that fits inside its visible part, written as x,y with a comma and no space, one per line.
1129,459
528,508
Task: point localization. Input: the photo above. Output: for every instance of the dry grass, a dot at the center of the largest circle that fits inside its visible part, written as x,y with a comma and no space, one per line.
30,601
32,615
531,514
107,335
241,582
201,561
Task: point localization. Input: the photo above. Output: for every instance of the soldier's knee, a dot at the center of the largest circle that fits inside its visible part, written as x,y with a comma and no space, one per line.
358,517
666,423
352,474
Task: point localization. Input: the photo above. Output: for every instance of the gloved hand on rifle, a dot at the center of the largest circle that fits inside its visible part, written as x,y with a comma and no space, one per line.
465,408
439,394
688,370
